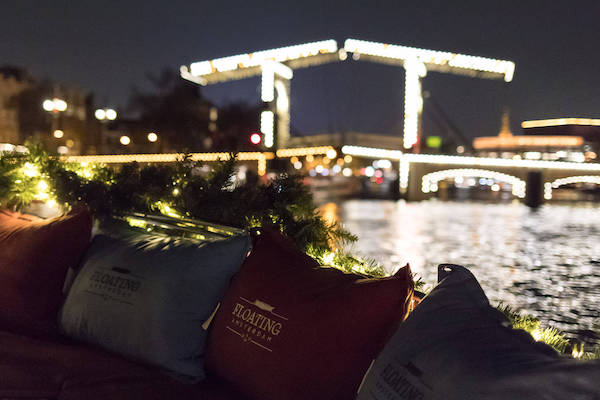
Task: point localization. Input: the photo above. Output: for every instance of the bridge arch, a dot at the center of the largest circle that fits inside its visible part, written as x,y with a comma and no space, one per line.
430,181
548,186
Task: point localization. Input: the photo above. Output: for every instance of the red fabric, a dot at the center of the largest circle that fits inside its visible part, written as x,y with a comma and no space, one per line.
35,368
289,329
35,255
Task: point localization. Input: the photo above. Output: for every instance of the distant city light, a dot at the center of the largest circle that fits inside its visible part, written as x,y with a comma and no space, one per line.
255,138
48,105
152,137
111,114
331,153
58,133
100,114
347,172
54,105
560,122
298,164
125,140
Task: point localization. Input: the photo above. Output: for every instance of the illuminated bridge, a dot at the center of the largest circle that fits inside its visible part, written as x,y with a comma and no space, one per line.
419,176
276,69
372,158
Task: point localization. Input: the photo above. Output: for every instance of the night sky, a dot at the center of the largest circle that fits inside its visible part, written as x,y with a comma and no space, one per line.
108,47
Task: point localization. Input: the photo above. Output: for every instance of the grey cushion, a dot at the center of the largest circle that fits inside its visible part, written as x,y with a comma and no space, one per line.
455,346
147,296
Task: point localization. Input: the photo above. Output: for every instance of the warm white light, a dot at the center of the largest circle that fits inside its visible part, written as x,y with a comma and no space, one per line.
440,59
267,87
559,122
347,172
331,153
369,171
382,164
125,140
111,114
48,105
258,58
58,134
371,152
283,101
100,114
576,179
413,100
499,162
60,105
267,121
152,137
532,155
499,142
319,168
298,164
431,180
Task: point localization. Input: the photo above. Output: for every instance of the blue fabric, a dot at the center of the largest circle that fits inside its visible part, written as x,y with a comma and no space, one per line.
147,296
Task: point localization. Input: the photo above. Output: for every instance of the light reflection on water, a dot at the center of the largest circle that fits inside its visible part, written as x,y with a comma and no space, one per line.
545,262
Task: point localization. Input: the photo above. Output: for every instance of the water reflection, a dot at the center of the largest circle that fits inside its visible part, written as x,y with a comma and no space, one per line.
544,262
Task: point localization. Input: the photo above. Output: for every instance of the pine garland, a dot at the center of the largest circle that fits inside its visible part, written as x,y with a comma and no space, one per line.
181,189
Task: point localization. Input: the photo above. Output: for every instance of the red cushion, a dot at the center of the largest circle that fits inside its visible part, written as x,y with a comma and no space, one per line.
289,329
35,255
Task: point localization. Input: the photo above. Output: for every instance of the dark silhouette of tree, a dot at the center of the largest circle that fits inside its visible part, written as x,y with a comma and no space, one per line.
236,122
175,110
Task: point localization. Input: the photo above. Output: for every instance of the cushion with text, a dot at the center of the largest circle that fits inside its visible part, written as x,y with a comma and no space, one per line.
147,296
290,329
35,255
455,346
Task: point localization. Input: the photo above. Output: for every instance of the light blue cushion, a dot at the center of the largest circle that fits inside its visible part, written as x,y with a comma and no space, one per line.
147,296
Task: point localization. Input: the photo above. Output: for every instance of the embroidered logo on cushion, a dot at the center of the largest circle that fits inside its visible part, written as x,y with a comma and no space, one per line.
256,322
116,284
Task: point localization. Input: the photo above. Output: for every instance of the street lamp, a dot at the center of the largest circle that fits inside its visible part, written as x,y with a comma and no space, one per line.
55,106
152,137
102,114
105,115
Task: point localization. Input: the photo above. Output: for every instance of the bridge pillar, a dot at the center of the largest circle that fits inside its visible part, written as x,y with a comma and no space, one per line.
534,189
275,93
415,192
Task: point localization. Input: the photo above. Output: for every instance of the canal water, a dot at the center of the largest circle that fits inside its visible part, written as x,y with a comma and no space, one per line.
543,262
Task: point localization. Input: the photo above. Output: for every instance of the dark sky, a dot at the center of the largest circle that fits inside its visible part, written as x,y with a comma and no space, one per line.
107,47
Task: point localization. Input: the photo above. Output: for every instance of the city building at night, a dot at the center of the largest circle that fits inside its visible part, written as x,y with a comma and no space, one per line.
543,140
13,81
